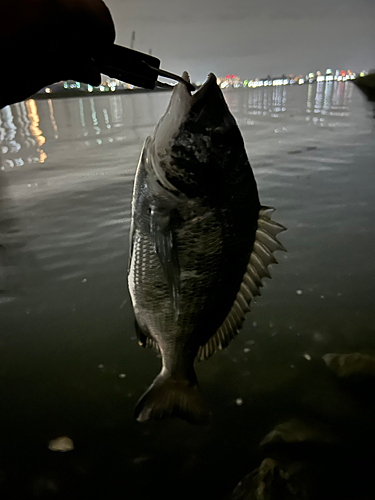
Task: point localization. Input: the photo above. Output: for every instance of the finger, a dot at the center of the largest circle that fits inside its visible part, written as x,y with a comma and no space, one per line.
90,20
79,67
60,67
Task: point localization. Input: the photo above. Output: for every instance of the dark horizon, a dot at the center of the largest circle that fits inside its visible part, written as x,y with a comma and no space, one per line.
250,39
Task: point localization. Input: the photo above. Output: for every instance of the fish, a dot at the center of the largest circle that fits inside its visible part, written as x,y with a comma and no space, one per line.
200,245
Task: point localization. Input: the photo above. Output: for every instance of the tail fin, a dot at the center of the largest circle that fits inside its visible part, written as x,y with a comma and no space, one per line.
167,397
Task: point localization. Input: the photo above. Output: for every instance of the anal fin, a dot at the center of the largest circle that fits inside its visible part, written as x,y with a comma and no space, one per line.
144,338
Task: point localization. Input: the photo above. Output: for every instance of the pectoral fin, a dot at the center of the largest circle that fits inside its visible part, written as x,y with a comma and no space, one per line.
163,230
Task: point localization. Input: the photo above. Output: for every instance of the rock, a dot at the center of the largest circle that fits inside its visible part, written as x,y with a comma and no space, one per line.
355,363
62,443
271,482
367,85
295,431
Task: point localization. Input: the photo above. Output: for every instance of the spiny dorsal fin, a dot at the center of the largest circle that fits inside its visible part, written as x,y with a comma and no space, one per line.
261,257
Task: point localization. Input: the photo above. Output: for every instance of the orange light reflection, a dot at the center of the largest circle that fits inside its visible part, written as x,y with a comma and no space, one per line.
32,113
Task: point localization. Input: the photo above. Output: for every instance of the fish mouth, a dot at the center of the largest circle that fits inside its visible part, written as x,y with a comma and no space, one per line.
206,106
207,103
202,91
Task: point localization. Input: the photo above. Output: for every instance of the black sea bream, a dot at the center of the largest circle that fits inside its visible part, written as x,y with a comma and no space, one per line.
200,244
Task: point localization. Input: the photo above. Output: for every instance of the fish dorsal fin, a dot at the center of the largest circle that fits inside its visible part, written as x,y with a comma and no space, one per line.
261,257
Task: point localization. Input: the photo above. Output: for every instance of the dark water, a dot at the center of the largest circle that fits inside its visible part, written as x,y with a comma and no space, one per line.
69,361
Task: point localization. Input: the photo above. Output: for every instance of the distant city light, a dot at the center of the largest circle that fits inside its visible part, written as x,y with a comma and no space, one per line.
111,85
235,82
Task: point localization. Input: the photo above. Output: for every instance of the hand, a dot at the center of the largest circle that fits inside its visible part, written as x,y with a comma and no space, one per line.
45,41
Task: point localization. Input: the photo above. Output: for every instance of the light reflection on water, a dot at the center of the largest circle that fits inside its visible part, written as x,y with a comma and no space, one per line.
93,119
89,120
66,325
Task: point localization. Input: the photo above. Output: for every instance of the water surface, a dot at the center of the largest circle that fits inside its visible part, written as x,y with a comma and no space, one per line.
69,360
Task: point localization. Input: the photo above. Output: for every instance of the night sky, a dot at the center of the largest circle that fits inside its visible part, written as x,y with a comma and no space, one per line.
251,38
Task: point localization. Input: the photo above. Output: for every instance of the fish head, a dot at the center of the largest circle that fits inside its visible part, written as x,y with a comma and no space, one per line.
197,141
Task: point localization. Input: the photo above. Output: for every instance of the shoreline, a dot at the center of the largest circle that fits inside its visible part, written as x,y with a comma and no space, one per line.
81,93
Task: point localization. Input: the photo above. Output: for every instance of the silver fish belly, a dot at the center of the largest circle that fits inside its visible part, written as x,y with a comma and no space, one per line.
200,244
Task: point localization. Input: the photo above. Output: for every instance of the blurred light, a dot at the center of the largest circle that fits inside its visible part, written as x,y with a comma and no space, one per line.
52,117
48,90
227,77
232,76
42,156
301,81
32,114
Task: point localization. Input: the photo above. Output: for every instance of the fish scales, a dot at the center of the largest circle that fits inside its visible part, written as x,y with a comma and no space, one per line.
195,214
